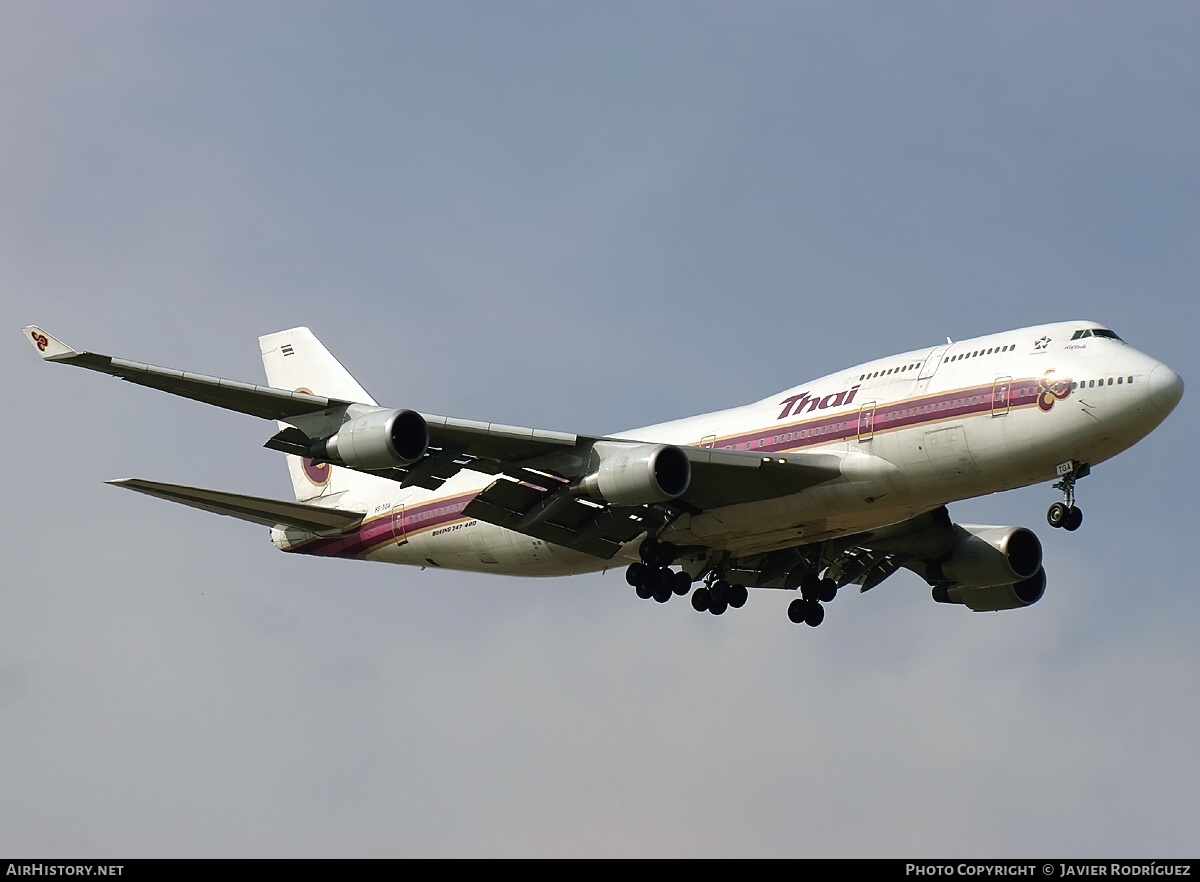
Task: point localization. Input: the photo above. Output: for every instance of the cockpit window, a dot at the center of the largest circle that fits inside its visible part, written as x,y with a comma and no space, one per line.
1095,332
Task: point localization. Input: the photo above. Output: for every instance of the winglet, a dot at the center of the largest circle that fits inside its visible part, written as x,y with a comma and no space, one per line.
50,347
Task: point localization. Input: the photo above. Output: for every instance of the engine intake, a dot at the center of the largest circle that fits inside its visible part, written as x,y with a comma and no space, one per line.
378,439
987,556
640,475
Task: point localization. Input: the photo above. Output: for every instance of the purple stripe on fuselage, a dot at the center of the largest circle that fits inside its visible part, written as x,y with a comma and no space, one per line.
887,417
381,530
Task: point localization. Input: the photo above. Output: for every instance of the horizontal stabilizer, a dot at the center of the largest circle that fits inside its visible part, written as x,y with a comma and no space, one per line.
268,512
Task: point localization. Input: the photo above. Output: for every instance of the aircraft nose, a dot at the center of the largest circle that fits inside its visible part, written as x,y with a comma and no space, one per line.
1166,388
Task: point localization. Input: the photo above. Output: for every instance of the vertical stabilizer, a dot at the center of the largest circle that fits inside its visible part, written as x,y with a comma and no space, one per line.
297,360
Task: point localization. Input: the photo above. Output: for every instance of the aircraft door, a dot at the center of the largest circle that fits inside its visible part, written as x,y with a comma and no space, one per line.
1000,395
398,524
929,368
866,422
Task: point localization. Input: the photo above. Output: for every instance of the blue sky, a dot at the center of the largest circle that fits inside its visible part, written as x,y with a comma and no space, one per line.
581,217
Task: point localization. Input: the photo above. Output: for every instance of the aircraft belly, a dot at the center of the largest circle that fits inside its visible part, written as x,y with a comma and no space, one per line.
481,547
812,515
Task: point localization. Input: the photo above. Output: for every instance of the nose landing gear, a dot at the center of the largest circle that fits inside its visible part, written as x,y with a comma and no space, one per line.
1065,514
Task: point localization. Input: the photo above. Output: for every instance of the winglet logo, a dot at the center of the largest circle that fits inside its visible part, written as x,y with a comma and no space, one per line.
317,472
1052,390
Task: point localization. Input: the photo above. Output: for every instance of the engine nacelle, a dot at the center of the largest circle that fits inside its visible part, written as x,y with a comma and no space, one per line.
988,556
992,598
378,439
640,475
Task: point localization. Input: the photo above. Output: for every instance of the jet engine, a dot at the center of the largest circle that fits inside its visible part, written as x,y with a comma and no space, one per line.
639,475
993,568
378,439
995,597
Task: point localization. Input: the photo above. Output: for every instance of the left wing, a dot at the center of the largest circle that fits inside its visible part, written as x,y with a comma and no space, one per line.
550,485
255,509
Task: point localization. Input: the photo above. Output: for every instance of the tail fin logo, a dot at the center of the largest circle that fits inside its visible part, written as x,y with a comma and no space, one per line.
316,472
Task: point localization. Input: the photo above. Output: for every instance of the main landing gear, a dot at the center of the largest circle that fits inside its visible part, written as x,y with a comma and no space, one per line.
1065,514
813,592
718,596
653,577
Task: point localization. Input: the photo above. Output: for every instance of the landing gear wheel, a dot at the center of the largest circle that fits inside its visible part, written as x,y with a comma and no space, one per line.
810,587
1056,515
828,590
683,583
1074,519
701,600
808,611
662,595
656,553
718,607
636,574
644,591
814,615
737,596
719,591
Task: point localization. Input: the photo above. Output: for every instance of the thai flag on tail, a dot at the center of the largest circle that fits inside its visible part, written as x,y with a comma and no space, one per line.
287,349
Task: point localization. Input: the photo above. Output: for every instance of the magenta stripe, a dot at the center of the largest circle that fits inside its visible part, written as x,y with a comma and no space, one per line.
378,531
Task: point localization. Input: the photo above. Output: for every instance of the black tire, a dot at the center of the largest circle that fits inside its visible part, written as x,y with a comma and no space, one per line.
814,615
810,587
719,590
683,583
644,591
660,580
662,595
829,590
636,574
701,600
1056,515
738,596
649,550
1074,519
718,607
796,611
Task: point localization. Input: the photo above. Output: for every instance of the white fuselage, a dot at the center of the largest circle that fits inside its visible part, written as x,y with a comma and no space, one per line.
914,431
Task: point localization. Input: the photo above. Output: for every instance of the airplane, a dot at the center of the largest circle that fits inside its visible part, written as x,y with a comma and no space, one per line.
840,481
